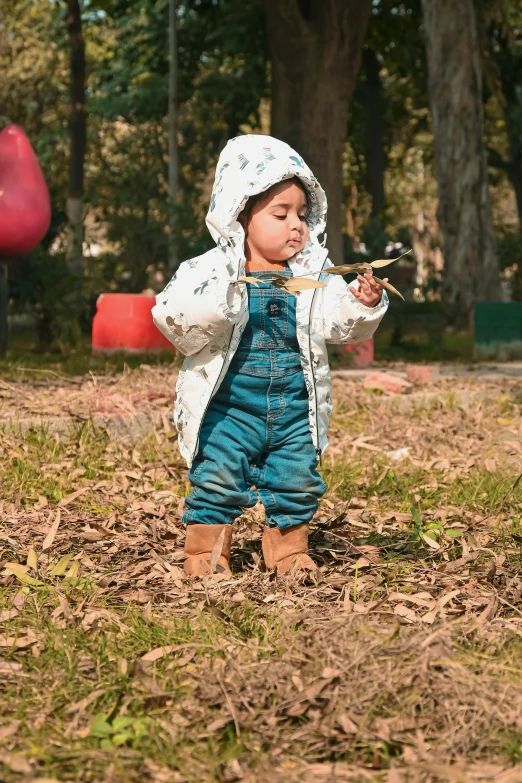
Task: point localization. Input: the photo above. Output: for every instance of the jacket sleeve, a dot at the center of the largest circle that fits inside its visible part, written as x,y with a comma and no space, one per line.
345,319
190,312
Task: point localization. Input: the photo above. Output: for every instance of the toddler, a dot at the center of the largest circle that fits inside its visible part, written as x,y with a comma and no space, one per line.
253,397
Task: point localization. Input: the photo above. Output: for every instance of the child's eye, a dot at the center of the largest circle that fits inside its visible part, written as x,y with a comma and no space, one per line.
280,217
302,217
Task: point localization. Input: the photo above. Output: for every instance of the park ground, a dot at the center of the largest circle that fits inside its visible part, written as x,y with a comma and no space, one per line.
402,665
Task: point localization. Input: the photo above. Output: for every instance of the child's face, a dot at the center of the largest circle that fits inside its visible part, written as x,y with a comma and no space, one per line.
276,229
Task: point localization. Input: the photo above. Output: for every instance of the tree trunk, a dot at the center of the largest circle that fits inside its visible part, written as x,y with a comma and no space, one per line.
514,172
173,137
514,166
471,272
375,155
315,51
77,137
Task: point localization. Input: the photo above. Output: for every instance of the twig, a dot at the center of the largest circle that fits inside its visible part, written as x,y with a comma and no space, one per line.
51,372
503,601
230,706
16,391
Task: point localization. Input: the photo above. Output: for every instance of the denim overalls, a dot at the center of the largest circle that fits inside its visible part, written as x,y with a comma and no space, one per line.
256,431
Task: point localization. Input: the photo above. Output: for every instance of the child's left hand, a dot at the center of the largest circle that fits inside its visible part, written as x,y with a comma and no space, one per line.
369,292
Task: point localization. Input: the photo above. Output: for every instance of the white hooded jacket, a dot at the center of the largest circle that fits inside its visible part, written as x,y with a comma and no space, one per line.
204,316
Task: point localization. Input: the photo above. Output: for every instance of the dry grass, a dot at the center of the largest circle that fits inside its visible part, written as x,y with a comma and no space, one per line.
402,665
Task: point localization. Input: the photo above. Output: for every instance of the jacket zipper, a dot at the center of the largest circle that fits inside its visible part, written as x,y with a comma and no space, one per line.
194,453
318,448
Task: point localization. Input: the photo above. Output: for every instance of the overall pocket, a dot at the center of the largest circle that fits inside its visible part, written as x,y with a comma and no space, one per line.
273,315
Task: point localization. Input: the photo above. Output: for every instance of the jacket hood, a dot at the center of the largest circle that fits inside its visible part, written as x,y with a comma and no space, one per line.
249,165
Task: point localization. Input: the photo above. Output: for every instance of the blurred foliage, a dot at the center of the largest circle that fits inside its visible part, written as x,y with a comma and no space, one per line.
47,291
224,89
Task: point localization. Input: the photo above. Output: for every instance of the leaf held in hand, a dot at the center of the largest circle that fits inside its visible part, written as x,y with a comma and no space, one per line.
346,269
386,261
388,287
294,285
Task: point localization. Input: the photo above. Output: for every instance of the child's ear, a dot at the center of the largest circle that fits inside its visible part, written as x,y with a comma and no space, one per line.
243,219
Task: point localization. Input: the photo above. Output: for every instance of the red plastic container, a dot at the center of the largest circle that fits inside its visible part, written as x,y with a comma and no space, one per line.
362,353
25,209
123,322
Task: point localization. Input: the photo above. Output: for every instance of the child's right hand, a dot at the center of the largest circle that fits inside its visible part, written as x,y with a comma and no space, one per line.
369,292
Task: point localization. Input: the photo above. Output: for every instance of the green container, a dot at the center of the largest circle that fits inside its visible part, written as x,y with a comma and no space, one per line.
498,330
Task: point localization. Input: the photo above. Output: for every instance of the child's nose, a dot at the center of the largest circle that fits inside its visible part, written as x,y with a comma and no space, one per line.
295,222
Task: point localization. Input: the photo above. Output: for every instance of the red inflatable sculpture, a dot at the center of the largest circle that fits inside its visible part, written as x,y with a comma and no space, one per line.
25,209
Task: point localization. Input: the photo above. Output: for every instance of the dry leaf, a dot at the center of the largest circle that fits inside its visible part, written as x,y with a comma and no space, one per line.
8,614
157,653
9,668
403,611
296,284
347,724
9,730
387,261
388,286
17,642
49,539
17,763
80,706
18,570
429,541
348,269
73,571
69,498
217,724
330,674
32,560
61,566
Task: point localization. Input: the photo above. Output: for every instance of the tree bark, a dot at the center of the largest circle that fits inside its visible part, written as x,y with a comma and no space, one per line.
375,155
77,137
471,272
173,263
514,164
315,51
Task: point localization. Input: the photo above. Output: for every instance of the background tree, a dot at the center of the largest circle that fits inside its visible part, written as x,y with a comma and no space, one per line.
315,53
174,261
384,159
455,87
375,153
77,136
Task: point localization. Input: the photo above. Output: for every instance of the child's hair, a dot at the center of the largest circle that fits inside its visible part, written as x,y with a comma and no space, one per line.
253,200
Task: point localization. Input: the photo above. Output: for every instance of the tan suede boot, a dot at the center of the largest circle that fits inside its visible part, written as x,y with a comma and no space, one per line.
199,543
287,550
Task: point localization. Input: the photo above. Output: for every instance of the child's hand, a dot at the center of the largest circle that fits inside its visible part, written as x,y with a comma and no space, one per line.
369,292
